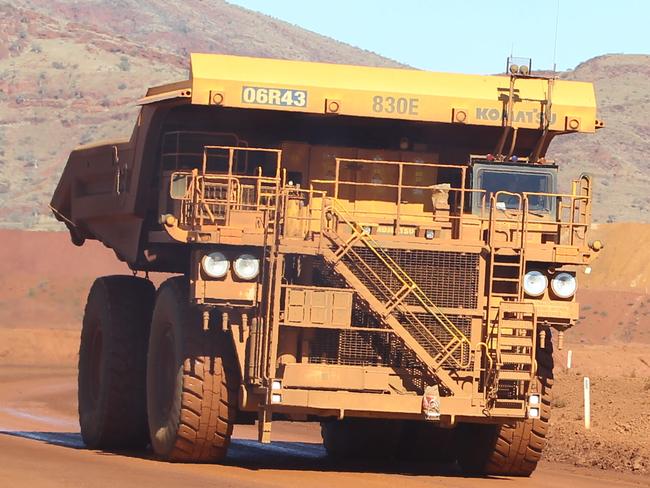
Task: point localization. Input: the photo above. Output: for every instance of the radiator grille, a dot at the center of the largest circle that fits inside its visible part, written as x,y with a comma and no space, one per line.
372,348
462,323
449,279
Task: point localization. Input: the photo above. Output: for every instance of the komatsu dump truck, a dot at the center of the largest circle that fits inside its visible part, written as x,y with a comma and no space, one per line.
383,251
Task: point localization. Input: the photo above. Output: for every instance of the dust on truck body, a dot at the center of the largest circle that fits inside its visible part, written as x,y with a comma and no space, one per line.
380,250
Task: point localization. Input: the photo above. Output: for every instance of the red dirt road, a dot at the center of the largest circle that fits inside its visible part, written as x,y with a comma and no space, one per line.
40,447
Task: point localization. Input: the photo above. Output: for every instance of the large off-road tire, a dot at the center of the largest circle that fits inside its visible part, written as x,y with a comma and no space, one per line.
511,449
192,381
112,363
358,438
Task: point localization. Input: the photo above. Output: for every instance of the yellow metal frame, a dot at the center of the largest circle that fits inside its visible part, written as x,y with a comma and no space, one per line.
197,209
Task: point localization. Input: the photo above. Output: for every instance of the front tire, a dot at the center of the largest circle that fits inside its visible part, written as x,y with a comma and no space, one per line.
112,362
192,381
511,449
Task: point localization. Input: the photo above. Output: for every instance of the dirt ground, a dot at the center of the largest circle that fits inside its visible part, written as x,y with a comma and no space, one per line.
40,446
619,438
43,283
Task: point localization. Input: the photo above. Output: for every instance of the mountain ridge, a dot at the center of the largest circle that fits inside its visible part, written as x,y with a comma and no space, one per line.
71,71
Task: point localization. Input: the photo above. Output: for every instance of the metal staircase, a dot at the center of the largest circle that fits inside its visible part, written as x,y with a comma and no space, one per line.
506,272
512,322
515,342
388,302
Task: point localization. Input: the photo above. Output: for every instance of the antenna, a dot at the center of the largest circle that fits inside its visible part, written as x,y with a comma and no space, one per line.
557,21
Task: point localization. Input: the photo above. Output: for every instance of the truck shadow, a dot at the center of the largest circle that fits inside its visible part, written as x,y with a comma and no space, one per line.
280,455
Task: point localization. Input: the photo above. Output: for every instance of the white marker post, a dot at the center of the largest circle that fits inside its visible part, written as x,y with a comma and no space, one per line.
569,357
587,397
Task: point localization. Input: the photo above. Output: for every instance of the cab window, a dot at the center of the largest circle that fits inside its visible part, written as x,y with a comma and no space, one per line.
518,182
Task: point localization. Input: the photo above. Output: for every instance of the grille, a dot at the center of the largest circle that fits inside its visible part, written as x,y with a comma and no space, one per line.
463,323
360,348
216,191
449,279
248,198
365,348
350,348
362,317
212,192
371,348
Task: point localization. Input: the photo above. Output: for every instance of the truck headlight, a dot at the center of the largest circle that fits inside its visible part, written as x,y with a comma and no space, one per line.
246,267
535,283
215,264
564,285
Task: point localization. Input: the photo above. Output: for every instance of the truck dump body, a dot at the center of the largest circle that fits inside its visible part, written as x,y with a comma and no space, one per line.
466,114
376,242
382,92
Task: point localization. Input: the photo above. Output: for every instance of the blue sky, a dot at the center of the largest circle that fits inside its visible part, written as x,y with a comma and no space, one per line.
474,36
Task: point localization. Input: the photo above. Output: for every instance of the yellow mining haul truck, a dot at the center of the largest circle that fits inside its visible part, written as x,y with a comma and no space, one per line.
384,251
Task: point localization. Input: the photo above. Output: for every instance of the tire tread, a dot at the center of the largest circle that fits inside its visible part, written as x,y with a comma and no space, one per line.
208,406
123,305
513,449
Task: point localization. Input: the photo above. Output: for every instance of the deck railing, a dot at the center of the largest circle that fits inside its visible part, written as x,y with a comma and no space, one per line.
208,199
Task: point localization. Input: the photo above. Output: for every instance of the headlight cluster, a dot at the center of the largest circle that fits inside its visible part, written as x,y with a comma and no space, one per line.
216,265
535,283
563,285
246,267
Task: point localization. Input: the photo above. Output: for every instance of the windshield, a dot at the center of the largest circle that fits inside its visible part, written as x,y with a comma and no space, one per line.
493,181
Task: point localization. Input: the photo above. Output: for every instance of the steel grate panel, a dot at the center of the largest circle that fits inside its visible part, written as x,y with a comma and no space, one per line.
371,348
362,317
350,348
449,279
462,323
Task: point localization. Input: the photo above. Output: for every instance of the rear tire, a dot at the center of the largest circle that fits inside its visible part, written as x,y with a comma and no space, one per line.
112,363
511,449
192,381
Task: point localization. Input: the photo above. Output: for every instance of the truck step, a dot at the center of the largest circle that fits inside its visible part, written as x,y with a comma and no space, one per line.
517,307
510,358
516,341
507,250
514,375
516,324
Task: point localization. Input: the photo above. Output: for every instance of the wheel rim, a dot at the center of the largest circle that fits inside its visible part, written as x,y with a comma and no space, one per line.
95,364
